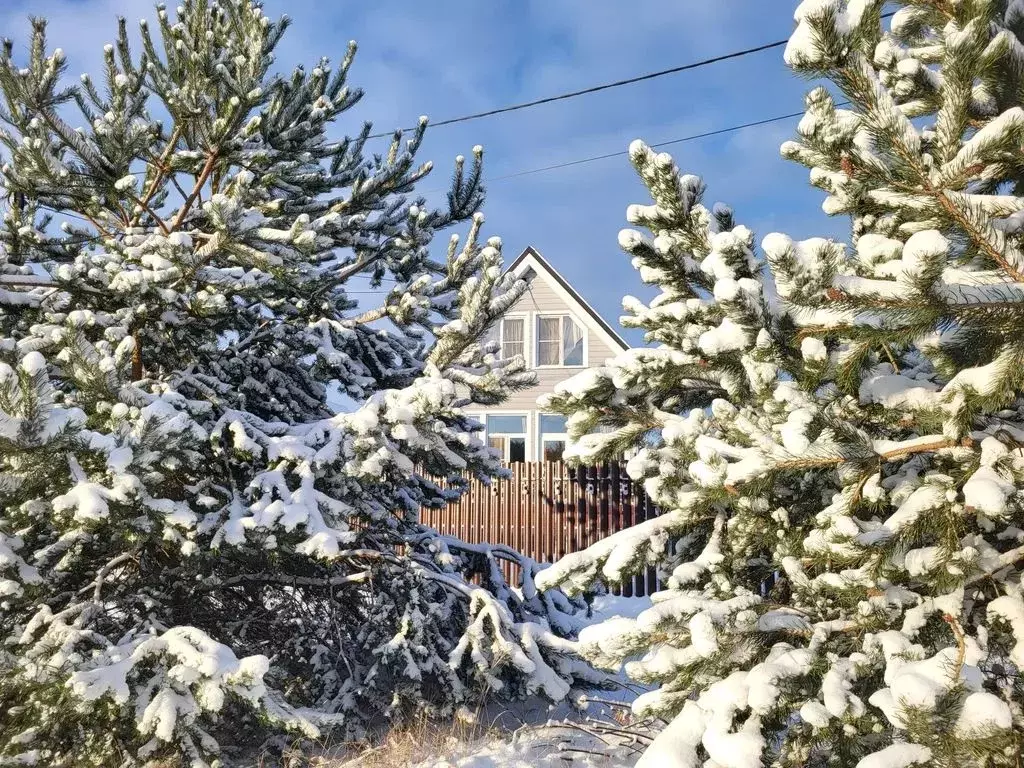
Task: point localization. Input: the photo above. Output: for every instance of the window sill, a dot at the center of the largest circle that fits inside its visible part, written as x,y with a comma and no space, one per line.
556,367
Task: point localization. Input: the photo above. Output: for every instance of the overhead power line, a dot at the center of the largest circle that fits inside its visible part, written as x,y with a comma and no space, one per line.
597,88
605,86
623,153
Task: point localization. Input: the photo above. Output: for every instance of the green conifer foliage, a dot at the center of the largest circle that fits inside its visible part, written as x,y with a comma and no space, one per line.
834,431
197,553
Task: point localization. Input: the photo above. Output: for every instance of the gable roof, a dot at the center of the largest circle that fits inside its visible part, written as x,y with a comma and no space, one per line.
531,258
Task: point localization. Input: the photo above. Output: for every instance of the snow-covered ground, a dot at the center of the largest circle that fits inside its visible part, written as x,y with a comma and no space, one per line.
546,737
537,748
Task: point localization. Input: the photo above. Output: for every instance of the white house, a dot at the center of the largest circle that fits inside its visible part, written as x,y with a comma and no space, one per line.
559,334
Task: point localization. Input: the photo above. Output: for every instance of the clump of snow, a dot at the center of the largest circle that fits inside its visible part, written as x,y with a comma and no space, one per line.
987,490
803,48
1010,609
875,249
982,713
922,249
793,432
33,363
726,337
204,672
813,350
813,713
896,390
897,756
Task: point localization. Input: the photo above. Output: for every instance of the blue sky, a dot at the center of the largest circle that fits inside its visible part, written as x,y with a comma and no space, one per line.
452,57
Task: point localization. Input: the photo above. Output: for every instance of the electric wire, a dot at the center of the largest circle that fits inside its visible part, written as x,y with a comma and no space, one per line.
604,86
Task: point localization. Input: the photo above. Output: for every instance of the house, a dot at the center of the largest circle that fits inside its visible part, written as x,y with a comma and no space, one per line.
544,508
559,334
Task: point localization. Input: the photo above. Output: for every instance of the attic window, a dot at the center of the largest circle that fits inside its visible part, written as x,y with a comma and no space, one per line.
559,341
512,341
528,274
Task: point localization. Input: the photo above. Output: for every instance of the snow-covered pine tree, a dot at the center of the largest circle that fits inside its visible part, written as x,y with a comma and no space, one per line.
835,438
196,551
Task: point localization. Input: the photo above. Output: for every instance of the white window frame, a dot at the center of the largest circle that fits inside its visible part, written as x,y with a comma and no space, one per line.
543,437
537,317
525,435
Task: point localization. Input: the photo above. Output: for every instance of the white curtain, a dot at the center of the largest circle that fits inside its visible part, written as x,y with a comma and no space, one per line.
548,340
572,343
512,337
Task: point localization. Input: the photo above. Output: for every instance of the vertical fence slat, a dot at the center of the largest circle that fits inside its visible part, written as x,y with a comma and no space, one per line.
636,587
575,511
652,574
615,509
538,512
515,535
559,519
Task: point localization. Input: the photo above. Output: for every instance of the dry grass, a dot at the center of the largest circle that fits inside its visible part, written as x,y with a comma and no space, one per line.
399,747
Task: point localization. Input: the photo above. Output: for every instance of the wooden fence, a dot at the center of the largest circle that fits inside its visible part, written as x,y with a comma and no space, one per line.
547,510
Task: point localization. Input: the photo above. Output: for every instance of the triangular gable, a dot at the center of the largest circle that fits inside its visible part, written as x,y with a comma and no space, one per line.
531,259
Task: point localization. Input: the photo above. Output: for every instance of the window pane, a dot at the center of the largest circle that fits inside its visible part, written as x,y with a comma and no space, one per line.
572,343
510,350
552,422
547,353
498,444
553,450
506,424
516,449
547,328
512,337
549,341
512,329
